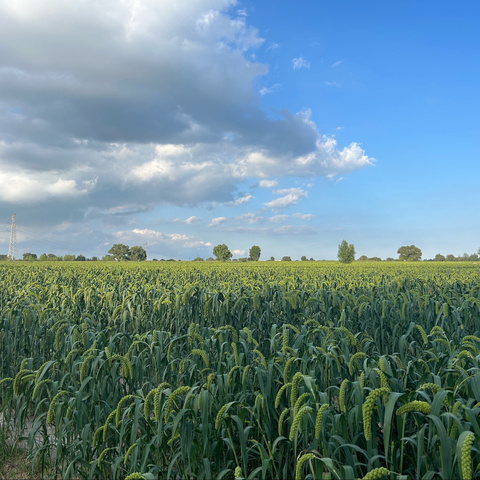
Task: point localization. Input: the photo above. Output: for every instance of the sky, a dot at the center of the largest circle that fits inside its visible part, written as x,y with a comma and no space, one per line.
288,125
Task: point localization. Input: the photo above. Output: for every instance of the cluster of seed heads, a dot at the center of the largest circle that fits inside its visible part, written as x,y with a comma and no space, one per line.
466,456
376,473
367,409
415,406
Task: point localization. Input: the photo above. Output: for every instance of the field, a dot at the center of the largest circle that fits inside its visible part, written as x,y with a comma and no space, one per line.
260,370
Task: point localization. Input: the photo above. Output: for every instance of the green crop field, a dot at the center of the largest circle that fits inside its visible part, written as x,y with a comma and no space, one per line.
256,370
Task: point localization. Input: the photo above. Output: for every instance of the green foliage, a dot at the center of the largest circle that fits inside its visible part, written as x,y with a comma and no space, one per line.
409,253
346,252
222,252
254,253
119,252
137,254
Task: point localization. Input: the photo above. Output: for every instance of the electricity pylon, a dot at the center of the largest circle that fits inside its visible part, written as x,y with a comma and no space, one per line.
12,247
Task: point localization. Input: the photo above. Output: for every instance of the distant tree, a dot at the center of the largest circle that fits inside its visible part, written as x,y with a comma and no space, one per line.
473,257
210,259
409,253
254,253
80,258
108,258
43,257
312,259
363,258
244,259
222,252
272,259
137,254
346,252
52,257
68,258
450,258
375,259
390,259
94,259
29,256
439,258
3,257
286,259
198,259
303,258
120,252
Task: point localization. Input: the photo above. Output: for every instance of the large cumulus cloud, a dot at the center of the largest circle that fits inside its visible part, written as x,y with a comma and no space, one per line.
116,103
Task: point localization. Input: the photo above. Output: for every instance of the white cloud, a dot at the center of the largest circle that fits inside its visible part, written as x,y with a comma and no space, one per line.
272,89
217,221
303,216
279,218
240,200
300,62
249,218
336,64
238,252
154,237
267,183
157,105
189,220
25,187
290,196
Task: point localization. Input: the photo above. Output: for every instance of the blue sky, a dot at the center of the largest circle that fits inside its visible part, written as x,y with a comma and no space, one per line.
291,126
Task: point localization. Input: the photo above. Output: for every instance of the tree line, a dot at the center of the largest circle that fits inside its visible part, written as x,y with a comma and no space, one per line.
346,254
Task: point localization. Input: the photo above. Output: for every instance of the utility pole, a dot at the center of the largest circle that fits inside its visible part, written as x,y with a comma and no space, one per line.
12,247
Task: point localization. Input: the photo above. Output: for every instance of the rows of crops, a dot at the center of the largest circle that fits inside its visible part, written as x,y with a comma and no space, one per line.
248,371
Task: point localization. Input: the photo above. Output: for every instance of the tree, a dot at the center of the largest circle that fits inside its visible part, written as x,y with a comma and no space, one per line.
222,252
254,253
68,258
286,259
198,259
29,256
304,258
120,252
439,258
409,253
346,252
137,254
43,257
272,259
80,258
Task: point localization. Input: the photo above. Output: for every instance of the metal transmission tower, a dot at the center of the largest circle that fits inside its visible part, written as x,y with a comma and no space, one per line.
12,247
